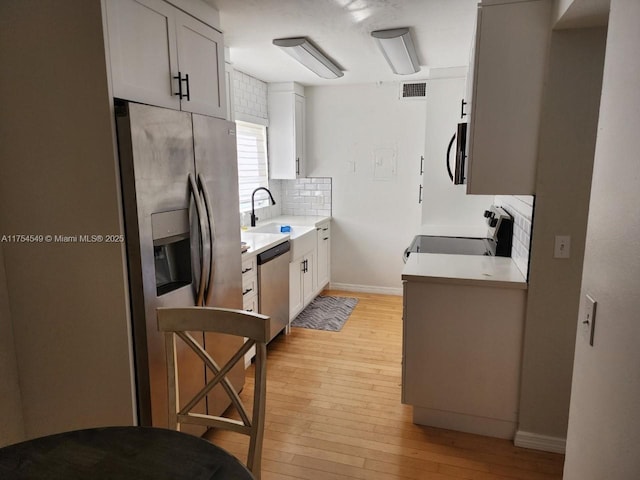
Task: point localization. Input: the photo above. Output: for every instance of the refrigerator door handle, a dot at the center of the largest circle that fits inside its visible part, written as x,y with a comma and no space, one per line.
212,238
196,199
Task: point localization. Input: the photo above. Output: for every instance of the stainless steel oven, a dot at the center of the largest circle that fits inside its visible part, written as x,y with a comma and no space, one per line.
497,242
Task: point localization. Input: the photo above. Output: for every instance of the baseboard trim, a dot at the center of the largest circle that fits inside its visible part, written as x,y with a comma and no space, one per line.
536,441
491,427
350,287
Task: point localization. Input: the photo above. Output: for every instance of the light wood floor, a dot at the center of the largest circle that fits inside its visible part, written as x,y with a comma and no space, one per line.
334,412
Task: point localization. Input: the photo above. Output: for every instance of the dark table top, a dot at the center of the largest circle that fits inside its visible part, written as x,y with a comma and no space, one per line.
119,453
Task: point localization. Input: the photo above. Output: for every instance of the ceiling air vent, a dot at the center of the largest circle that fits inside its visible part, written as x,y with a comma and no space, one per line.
413,90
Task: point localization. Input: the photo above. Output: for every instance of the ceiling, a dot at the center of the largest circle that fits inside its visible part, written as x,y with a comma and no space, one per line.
584,14
441,31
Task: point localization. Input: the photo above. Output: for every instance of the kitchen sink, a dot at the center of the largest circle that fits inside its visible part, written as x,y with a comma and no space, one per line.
296,231
302,238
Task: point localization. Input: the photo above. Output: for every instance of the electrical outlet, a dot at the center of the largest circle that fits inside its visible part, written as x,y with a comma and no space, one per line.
588,325
562,247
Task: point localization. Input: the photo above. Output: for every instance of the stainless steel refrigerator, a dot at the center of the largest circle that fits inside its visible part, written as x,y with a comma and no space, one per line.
180,199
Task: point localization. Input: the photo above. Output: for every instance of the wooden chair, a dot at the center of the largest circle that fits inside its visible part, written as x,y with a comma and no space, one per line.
178,322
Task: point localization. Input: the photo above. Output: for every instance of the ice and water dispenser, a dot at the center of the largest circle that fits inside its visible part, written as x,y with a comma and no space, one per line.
171,250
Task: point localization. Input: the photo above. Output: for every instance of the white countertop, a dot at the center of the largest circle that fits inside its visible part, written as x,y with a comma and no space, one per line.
300,220
464,270
258,242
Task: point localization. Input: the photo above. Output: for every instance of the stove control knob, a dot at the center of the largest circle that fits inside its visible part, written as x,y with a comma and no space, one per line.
488,213
493,222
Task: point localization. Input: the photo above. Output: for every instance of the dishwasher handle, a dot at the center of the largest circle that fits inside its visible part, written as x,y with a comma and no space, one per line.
273,252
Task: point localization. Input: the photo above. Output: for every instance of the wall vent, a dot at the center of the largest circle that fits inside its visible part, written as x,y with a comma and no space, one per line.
413,90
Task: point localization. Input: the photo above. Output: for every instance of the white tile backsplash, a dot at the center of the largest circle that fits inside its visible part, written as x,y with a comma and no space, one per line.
249,95
520,207
306,196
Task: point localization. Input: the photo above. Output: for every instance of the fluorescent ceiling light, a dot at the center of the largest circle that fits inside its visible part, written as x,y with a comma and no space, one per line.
397,47
308,55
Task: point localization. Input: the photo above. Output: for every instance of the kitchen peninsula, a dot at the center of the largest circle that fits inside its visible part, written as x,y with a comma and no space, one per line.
462,341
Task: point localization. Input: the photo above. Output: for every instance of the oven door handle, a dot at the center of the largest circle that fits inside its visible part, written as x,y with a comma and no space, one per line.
449,156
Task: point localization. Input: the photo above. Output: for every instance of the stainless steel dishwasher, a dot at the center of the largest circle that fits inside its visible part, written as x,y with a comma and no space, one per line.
273,286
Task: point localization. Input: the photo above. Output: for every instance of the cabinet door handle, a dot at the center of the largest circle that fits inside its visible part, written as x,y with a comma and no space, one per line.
297,165
179,78
186,79
326,238
420,194
421,164
247,270
247,290
462,112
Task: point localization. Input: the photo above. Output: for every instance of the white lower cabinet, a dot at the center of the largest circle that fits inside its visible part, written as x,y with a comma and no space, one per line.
250,294
302,288
462,349
323,233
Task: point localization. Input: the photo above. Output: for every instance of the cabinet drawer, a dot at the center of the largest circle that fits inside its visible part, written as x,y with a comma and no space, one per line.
323,231
249,267
250,303
249,286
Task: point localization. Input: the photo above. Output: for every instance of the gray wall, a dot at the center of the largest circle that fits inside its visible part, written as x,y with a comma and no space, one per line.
567,143
68,301
604,422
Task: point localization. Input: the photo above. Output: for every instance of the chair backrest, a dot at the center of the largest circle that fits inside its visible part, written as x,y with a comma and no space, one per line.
177,323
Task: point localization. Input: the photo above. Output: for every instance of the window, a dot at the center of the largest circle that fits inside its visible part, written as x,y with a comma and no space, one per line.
252,162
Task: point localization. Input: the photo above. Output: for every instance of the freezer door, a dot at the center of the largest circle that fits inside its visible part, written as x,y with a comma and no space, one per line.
217,172
156,158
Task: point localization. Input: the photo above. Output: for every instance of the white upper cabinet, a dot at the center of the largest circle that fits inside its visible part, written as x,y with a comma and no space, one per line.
505,101
142,51
286,105
201,56
162,56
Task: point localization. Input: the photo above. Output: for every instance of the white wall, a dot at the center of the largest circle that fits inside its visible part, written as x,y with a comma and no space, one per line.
11,421
566,151
68,302
446,204
373,219
604,421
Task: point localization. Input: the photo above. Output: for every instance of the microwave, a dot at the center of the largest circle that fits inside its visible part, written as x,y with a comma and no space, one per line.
458,173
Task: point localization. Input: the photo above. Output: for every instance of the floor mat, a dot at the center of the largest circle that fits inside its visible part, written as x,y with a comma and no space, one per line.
326,313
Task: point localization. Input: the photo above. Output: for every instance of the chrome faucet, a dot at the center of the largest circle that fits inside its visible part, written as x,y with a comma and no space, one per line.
253,208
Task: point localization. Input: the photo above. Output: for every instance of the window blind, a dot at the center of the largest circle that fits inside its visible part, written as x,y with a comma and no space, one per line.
251,141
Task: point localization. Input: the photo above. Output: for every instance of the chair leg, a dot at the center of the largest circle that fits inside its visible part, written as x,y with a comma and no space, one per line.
254,458
172,380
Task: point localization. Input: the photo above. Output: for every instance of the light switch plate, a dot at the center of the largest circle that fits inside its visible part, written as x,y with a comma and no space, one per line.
589,319
562,247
